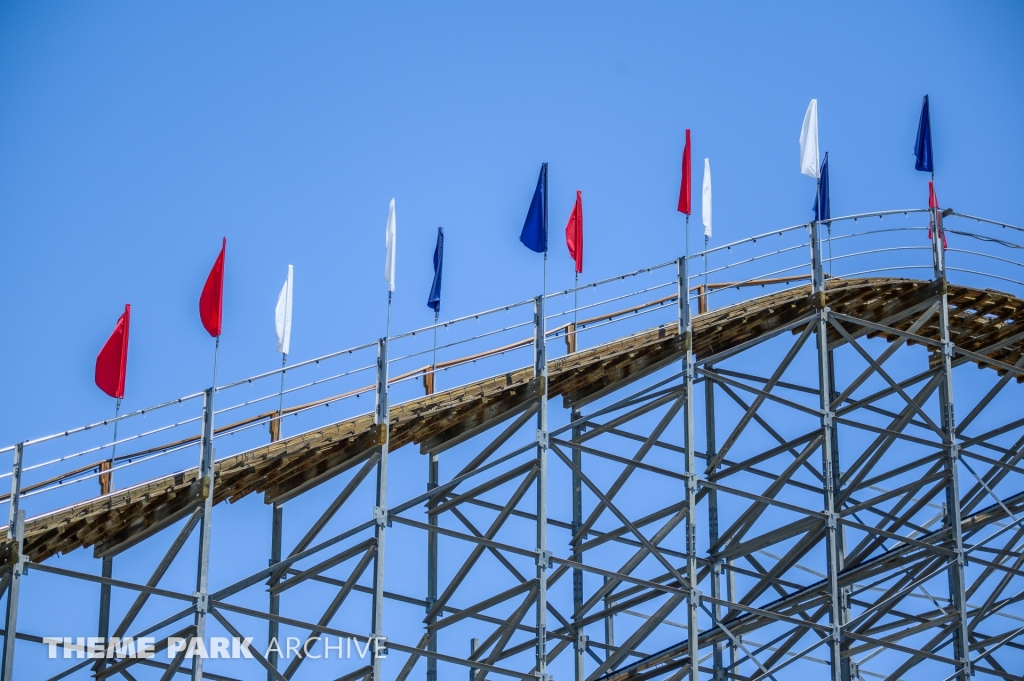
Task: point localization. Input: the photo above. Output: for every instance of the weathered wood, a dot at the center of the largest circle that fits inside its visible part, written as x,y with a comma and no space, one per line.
980,319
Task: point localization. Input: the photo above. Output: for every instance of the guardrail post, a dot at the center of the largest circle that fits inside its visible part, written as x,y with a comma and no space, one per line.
951,517
205,481
693,600
833,541
16,540
540,371
382,419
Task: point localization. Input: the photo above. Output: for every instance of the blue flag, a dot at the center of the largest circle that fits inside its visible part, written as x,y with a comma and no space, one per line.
535,230
821,199
434,301
923,147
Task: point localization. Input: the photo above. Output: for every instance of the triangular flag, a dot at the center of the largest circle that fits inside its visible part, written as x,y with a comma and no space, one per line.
933,203
212,299
706,199
684,187
389,244
434,299
923,144
112,362
535,230
574,232
809,141
283,315
821,198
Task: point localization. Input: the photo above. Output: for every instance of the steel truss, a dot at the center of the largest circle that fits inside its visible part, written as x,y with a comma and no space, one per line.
720,518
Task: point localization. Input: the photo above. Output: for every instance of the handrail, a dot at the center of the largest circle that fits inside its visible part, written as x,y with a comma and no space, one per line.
567,330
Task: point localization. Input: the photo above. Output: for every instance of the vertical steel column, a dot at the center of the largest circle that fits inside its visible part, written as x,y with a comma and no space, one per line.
382,418
609,625
432,481
711,450
103,630
686,331
951,519
205,524
16,540
540,371
832,544
273,626
580,645
847,668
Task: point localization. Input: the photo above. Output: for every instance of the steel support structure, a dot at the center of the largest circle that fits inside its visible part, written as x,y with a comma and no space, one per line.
382,419
885,566
206,480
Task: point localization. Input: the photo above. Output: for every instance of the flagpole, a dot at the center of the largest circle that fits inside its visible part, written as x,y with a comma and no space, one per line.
280,397
216,353
706,301
575,310
113,448
433,361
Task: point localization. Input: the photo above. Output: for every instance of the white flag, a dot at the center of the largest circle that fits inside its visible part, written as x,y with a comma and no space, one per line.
809,141
283,315
706,198
389,243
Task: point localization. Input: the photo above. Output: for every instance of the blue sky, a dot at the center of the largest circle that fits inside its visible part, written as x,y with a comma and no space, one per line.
134,136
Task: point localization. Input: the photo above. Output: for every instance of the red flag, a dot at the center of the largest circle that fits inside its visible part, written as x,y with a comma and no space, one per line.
212,300
112,361
574,232
933,203
684,187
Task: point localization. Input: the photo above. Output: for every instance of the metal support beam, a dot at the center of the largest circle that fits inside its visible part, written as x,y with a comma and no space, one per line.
205,480
710,452
540,371
16,532
692,477
580,643
830,476
432,520
275,596
382,419
951,517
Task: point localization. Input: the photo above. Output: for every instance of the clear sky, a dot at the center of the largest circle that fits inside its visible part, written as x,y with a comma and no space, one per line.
133,136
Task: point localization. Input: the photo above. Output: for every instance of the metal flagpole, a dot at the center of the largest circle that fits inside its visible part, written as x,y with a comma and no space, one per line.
433,363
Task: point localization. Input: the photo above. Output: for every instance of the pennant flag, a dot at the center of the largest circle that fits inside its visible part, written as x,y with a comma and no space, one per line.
434,300
809,141
574,232
821,198
933,203
923,146
389,244
684,187
283,315
212,299
112,362
535,230
706,199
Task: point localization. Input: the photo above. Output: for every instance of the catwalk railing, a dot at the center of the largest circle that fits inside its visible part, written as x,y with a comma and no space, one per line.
67,468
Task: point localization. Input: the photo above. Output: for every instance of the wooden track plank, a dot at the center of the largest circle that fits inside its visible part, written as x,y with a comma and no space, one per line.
981,318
